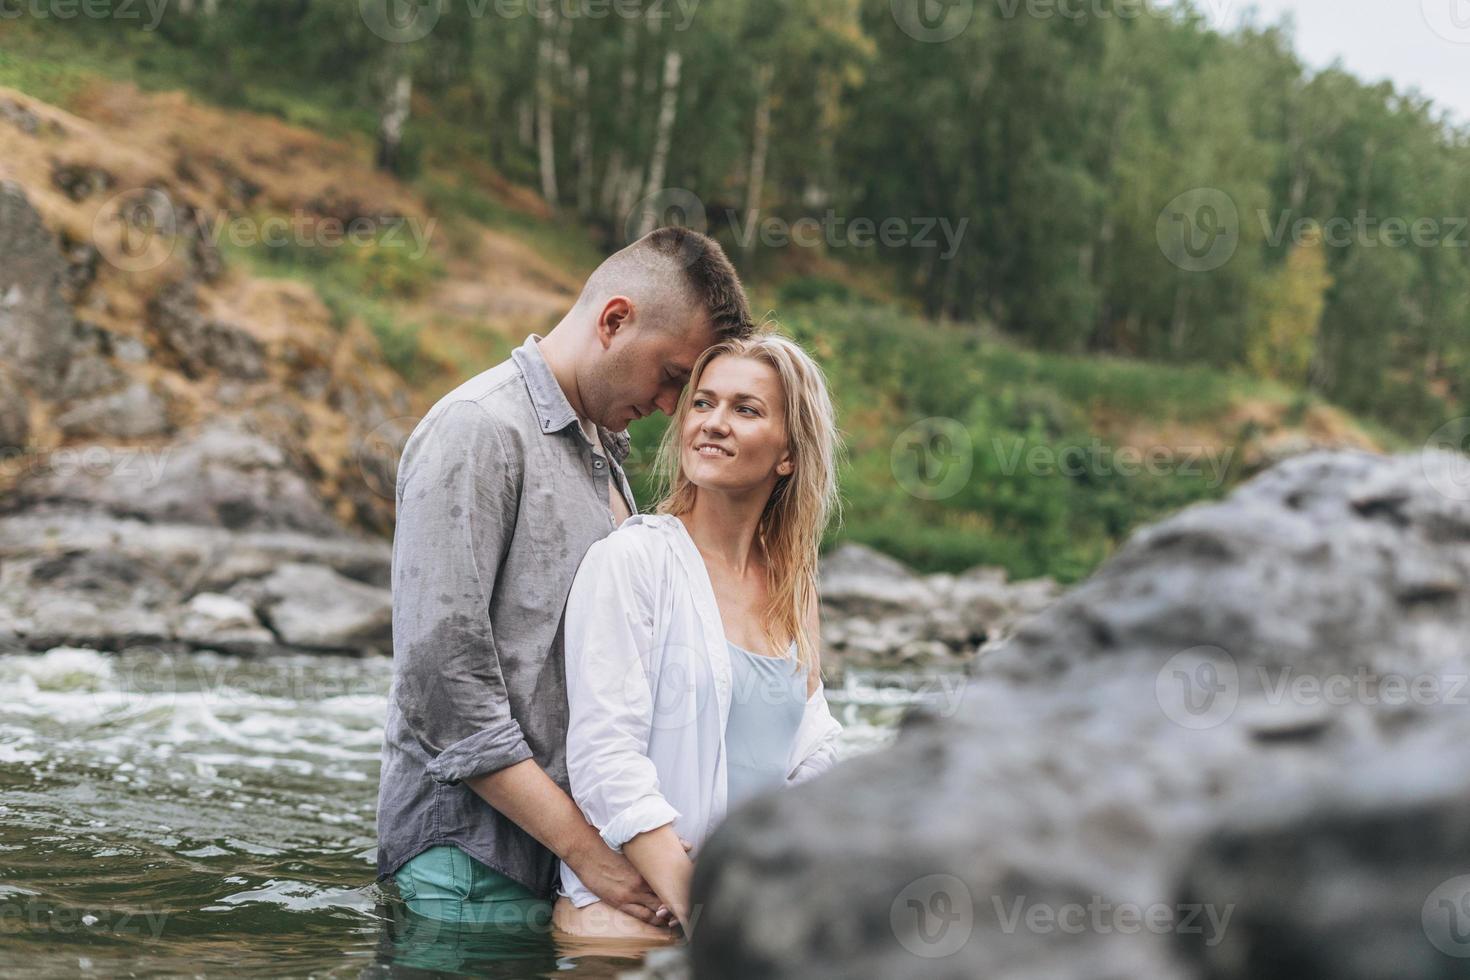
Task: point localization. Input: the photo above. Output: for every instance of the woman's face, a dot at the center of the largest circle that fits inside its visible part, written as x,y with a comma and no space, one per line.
734,437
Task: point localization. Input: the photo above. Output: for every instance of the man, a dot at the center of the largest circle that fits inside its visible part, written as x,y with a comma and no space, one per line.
502,488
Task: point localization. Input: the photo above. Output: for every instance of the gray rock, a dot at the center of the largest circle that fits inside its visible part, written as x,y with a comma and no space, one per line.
856,580
220,474
221,622
878,612
1208,760
133,413
107,620
15,416
316,608
192,558
87,375
1297,912
199,343
19,116
80,181
36,328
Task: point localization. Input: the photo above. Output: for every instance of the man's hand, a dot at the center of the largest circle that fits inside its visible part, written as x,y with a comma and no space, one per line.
527,795
612,878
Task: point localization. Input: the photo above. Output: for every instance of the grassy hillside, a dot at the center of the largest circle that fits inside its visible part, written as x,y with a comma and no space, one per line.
963,448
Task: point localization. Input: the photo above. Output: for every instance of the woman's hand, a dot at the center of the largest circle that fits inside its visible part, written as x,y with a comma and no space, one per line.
663,913
611,877
663,860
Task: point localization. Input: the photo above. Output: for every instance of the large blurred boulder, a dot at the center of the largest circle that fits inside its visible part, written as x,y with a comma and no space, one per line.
1241,749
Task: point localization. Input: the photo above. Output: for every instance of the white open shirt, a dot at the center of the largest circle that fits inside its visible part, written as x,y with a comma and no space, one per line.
649,691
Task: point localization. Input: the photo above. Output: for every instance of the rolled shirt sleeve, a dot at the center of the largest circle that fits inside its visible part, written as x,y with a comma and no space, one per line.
609,639
458,491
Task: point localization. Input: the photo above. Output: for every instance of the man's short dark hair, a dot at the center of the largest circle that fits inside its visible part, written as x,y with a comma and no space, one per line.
709,277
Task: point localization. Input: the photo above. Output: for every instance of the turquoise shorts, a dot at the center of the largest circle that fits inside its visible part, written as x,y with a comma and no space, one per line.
446,884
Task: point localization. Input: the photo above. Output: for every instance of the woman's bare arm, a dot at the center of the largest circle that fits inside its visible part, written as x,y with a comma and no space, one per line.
661,858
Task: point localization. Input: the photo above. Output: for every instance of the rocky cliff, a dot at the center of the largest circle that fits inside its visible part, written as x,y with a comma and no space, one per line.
187,454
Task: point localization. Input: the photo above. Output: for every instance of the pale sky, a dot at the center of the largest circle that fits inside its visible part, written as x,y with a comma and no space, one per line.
1414,43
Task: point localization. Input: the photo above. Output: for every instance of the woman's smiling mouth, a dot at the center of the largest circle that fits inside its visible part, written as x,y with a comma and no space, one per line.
710,450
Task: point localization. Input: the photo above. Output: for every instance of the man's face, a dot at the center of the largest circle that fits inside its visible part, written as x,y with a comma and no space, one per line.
644,370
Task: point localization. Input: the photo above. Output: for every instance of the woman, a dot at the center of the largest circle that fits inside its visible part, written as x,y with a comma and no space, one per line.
693,674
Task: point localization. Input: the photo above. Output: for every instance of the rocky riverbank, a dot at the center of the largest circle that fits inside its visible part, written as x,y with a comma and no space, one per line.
199,474
171,476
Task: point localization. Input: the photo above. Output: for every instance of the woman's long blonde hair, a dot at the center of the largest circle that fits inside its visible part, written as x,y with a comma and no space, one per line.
796,515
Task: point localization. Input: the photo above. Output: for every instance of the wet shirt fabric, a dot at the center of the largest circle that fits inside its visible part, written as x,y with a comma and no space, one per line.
768,696
650,686
500,494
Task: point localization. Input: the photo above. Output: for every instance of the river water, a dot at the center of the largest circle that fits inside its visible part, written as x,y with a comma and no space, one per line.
205,815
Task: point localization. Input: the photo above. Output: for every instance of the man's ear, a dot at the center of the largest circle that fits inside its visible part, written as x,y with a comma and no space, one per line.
616,314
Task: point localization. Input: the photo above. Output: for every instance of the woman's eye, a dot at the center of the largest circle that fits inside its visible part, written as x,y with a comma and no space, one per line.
747,408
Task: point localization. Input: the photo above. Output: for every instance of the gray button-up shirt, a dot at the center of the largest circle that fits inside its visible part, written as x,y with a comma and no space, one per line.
499,496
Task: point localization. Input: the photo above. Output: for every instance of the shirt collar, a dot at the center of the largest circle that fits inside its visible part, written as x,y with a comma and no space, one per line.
553,411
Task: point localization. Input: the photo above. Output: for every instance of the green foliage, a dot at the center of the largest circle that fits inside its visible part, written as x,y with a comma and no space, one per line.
1283,335
812,289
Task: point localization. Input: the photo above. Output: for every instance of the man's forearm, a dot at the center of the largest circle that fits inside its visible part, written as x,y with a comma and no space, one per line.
525,794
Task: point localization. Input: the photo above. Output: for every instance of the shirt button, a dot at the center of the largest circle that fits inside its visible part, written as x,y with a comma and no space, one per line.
597,463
